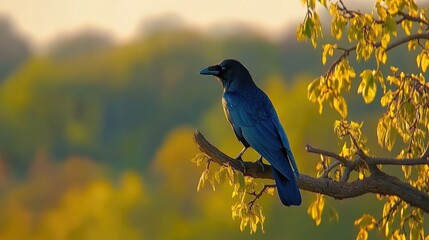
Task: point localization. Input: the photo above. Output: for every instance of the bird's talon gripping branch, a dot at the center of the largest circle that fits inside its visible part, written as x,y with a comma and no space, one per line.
238,157
241,153
242,164
259,161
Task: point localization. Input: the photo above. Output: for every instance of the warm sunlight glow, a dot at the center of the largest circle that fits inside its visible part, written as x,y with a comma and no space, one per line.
44,19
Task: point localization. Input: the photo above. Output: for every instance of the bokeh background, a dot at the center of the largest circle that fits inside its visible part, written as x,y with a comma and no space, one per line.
99,101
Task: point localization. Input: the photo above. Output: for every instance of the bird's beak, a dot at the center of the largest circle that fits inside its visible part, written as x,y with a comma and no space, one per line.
212,70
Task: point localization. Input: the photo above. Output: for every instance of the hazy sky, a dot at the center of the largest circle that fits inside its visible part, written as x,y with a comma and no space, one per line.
42,20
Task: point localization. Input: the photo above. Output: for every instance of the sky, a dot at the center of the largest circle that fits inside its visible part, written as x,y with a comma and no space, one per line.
43,20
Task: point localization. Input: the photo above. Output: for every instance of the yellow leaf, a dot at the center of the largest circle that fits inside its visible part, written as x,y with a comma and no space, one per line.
386,229
381,55
270,191
416,230
424,61
243,223
361,175
253,226
202,181
220,175
199,158
315,209
367,87
390,136
379,77
394,69
313,90
385,40
341,106
387,98
311,4
412,45
365,220
407,25
398,236
381,11
328,49
362,235
407,171
300,33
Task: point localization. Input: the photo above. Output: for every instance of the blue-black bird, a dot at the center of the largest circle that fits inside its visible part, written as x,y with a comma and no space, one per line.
256,124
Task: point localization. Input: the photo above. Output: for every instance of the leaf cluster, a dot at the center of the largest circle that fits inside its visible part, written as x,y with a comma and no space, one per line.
371,35
243,188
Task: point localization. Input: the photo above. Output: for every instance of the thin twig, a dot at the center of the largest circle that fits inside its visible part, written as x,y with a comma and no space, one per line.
327,170
312,149
257,195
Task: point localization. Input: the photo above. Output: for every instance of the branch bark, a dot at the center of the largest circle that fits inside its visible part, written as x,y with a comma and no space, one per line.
380,183
390,46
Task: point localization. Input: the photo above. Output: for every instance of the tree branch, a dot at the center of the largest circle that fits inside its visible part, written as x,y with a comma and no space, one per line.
390,46
404,40
380,183
312,149
393,161
411,18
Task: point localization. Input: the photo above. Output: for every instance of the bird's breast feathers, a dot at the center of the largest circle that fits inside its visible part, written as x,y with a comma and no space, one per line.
246,109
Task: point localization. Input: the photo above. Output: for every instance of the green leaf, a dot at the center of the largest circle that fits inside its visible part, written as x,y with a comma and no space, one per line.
308,27
391,23
333,215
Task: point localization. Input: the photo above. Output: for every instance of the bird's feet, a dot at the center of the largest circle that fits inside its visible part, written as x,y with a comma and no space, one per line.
242,164
241,160
259,161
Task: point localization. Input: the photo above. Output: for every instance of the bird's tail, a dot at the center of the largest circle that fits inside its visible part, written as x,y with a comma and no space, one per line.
287,187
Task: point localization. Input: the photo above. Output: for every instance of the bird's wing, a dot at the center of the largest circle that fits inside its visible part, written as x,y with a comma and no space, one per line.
236,127
257,121
285,142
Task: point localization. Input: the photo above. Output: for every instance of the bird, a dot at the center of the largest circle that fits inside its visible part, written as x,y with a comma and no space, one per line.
256,124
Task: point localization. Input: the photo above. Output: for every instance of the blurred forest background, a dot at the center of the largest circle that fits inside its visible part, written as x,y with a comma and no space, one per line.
96,135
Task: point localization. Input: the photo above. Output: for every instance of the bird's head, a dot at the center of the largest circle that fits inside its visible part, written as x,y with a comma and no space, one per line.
231,73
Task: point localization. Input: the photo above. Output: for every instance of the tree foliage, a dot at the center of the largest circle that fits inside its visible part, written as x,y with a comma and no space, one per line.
402,127
405,98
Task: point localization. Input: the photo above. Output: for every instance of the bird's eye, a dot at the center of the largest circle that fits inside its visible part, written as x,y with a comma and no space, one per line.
223,69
